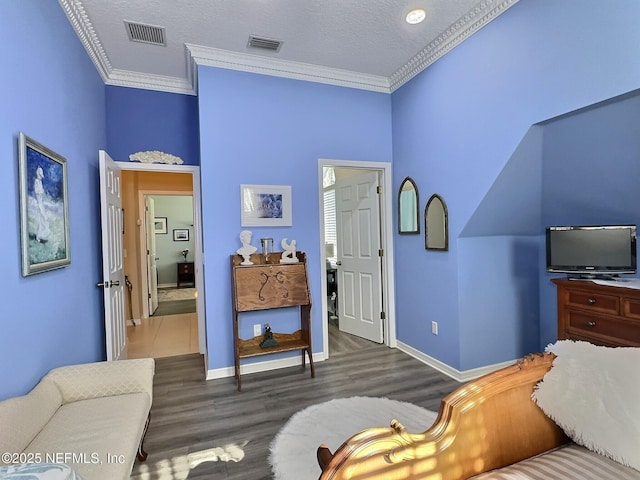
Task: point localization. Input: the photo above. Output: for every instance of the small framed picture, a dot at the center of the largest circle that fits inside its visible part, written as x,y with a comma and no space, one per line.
265,205
181,235
44,207
160,225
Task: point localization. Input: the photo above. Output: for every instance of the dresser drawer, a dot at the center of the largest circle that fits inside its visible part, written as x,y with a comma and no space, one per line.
598,302
631,307
185,268
627,331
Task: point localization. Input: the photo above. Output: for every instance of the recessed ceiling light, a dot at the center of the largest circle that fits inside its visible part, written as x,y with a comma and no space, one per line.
416,16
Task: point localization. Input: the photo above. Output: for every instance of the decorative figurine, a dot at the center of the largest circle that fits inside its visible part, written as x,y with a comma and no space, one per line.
268,341
247,249
289,253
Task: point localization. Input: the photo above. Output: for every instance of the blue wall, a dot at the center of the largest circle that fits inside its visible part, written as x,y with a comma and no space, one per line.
590,176
455,128
473,127
141,120
258,129
592,164
51,91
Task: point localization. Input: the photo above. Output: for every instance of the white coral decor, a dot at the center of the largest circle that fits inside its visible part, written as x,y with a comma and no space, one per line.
154,156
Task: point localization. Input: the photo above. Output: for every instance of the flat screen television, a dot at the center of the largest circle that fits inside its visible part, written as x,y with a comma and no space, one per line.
591,251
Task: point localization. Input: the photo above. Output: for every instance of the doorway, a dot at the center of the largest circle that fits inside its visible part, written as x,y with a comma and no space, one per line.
168,326
184,332
168,239
380,279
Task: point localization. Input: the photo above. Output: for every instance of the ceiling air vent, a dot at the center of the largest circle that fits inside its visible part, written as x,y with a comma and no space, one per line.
139,32
265,43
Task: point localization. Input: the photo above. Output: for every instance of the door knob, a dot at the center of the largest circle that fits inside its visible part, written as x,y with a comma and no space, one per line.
102,284
114,284
338,263
108,284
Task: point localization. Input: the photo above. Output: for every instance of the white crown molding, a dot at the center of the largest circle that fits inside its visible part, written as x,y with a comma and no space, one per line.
86,33
484,12
480,15
123,78
83,27
214,57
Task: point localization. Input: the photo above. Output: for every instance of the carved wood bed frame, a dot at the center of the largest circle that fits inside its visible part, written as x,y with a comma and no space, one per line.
488,423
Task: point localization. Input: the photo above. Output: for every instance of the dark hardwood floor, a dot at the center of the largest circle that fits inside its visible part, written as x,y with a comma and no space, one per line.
193,420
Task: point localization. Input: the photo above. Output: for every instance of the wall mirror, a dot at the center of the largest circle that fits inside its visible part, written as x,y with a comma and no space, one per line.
436,224
408,201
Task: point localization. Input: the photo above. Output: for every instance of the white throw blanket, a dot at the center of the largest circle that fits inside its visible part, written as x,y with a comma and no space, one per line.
593,393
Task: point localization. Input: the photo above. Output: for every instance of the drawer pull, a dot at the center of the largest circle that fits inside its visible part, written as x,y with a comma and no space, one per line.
591,301
591,324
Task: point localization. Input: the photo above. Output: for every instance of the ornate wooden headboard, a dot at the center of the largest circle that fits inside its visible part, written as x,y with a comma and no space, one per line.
488,423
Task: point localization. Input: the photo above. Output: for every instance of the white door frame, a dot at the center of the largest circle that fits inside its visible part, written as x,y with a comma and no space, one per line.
147,215
197,233
386,224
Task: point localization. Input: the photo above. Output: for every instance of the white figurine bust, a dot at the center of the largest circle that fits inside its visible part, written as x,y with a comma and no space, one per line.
246,249
289,253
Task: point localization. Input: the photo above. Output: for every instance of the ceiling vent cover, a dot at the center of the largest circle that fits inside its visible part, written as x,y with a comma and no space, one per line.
139,32
264,43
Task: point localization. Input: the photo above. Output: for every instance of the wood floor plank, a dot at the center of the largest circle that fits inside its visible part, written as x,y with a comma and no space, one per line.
191,415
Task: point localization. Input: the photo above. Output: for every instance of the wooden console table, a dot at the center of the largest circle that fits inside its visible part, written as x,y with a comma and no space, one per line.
601,314
264,286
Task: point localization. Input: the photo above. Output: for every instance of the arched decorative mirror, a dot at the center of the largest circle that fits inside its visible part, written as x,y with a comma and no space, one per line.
436,224
408,201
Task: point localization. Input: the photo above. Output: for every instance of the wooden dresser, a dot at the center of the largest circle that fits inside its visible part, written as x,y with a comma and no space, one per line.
600,314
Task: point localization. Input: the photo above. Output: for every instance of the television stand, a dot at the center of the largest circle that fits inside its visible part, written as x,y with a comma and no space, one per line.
594,276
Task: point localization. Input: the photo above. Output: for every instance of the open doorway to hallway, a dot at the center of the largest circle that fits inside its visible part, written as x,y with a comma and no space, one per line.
159,255
357,249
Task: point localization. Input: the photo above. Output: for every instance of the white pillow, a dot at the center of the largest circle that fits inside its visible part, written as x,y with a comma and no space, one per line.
593,394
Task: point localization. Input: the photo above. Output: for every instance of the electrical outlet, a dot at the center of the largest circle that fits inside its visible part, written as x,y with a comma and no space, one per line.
434,328
257,330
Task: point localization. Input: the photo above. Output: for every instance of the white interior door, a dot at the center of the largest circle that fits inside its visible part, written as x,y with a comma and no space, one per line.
112,264
152,268
359,267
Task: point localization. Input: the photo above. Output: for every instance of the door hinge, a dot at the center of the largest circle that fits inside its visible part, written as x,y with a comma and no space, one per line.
379,189
383,316
381,252
149,295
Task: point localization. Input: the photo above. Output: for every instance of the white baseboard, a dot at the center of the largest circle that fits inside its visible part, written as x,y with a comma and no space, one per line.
135,321
460,376
262,366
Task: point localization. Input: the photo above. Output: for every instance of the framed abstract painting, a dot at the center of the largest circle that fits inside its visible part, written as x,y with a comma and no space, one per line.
265,205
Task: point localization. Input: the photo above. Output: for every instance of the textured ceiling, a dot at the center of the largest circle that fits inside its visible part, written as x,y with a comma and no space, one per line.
360,43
